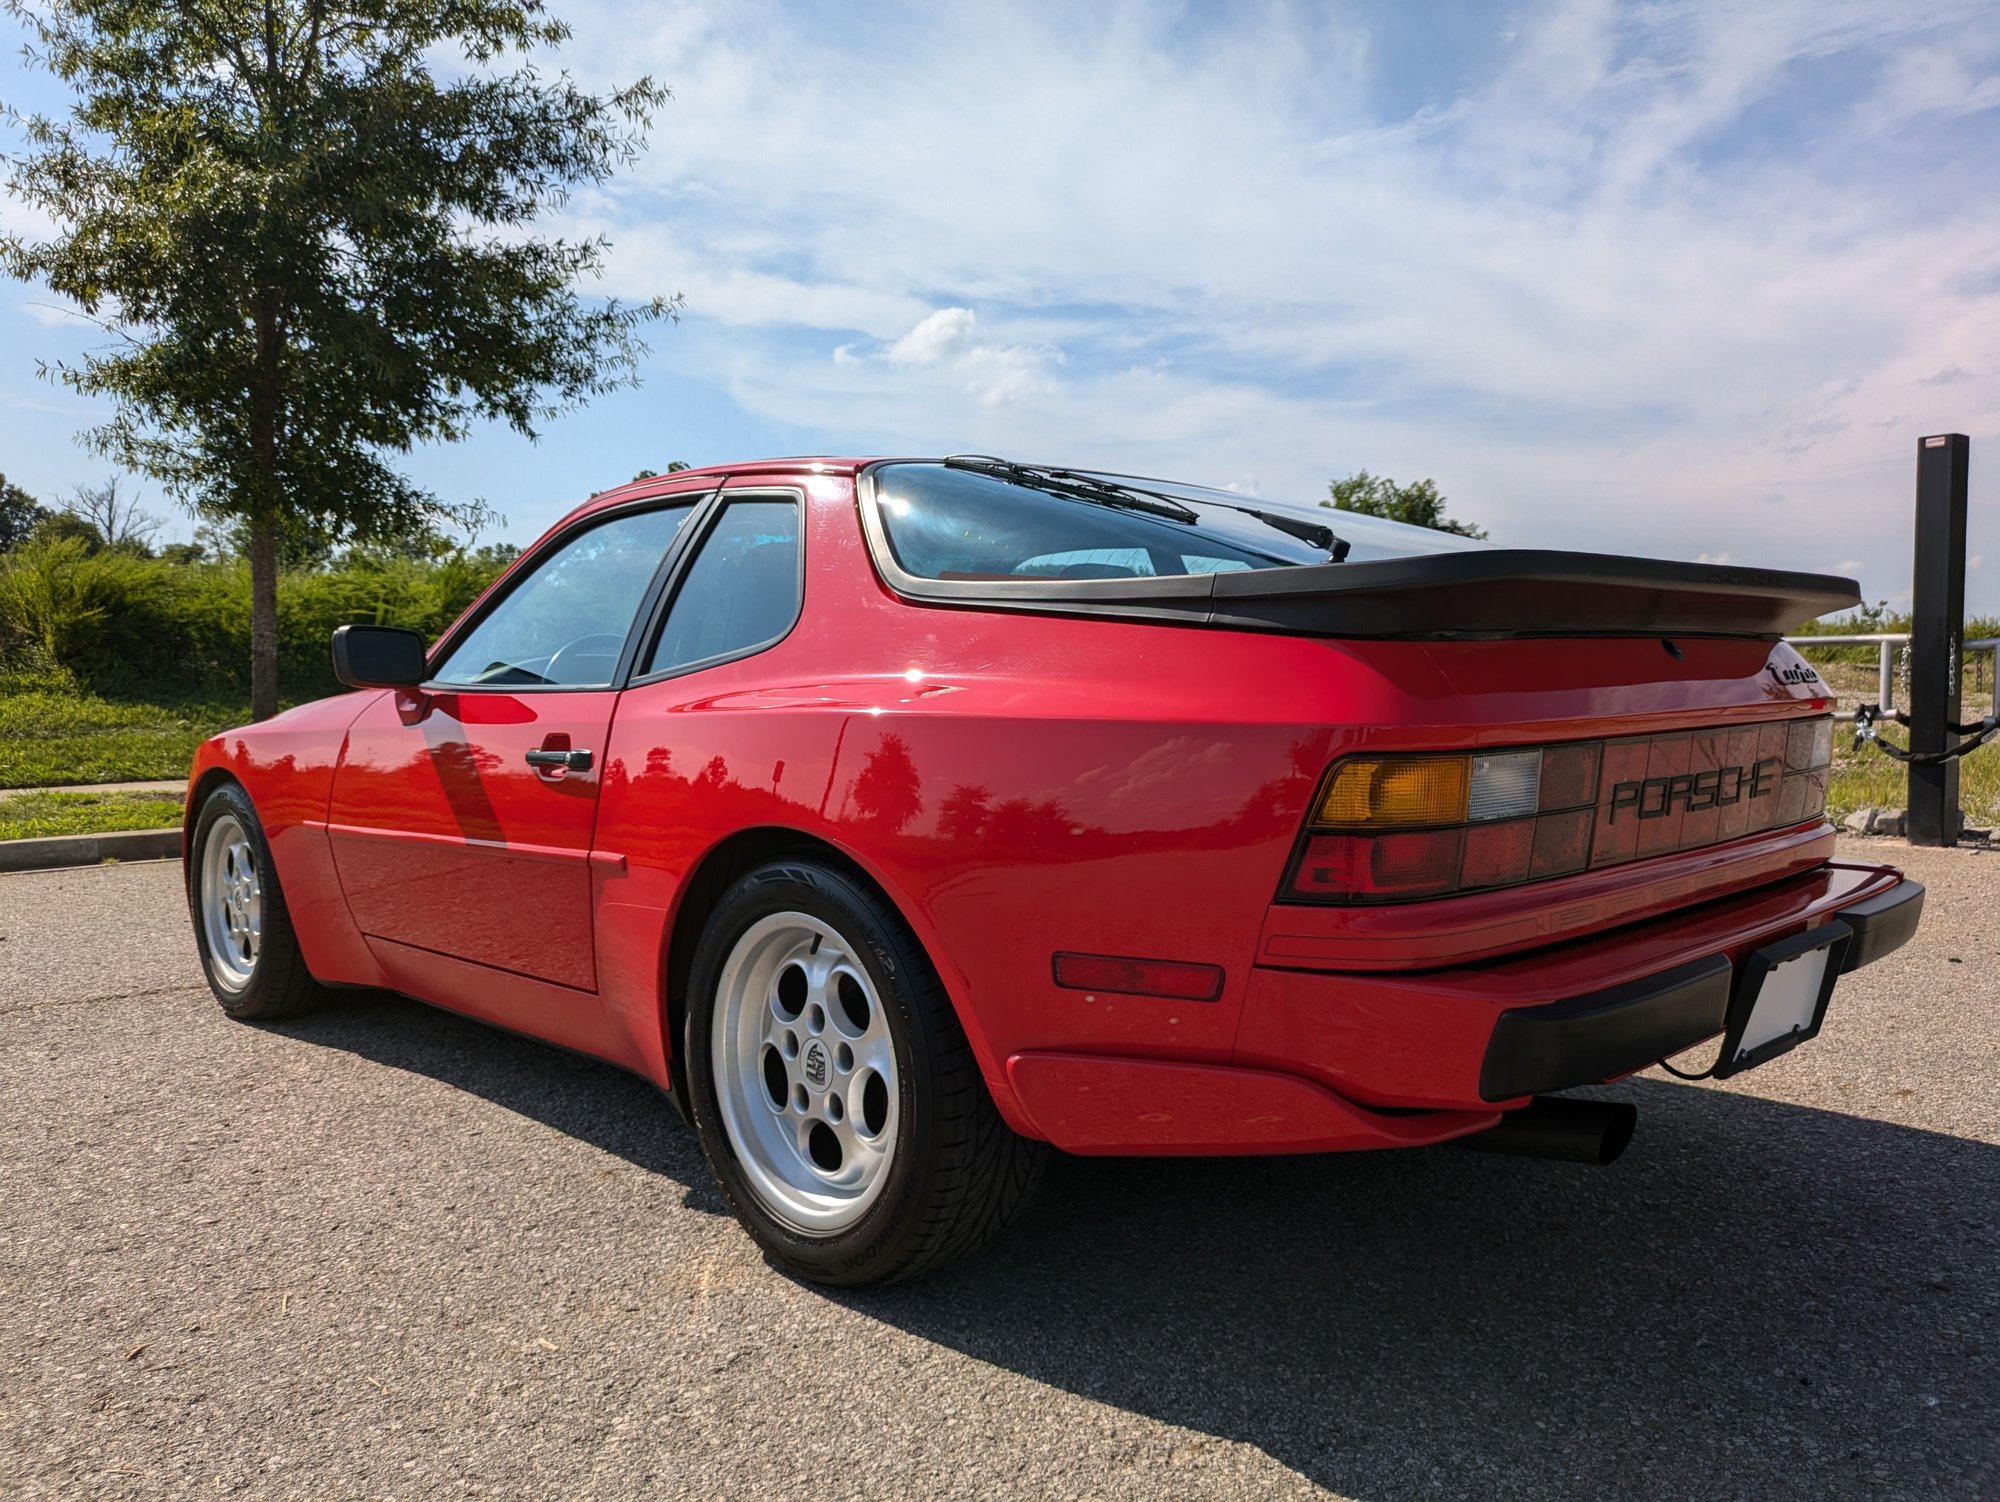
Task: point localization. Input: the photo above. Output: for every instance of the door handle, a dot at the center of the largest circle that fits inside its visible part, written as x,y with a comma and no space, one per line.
575,761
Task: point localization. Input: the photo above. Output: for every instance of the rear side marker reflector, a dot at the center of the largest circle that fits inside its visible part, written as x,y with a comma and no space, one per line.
1171,979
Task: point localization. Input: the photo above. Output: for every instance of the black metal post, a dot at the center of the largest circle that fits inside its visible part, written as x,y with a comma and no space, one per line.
1936,626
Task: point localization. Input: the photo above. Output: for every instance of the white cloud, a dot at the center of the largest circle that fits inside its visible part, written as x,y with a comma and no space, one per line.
939,336
1558,291
1646,278
993,372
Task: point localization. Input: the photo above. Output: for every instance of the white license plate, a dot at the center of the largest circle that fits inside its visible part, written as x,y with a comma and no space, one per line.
1787,1001
1781,997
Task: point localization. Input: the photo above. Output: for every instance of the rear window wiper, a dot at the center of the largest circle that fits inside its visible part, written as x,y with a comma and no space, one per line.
1312,534
1139,498
1069,483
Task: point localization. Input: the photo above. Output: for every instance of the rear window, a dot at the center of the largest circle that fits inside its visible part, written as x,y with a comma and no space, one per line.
961,524
966,524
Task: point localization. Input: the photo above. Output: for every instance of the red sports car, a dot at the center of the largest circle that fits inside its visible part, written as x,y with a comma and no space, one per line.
902,819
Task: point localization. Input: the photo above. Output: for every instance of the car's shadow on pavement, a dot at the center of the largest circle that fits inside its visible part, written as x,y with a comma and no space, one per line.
1759,1300
593,1102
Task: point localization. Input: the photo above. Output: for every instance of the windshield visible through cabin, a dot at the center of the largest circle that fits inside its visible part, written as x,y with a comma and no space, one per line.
953,523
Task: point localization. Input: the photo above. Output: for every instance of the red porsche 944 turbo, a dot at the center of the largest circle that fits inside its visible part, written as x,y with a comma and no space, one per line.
903,819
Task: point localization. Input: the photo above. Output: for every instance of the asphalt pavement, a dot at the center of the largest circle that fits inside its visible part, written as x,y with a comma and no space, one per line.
382,1252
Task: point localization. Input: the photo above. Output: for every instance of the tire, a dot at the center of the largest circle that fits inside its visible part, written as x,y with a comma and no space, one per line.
887,1157
242,929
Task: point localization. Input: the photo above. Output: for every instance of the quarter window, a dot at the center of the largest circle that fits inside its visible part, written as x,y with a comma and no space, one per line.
566,622
741,592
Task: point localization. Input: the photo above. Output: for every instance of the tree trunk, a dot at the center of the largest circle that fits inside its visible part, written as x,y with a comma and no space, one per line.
264,513
263,617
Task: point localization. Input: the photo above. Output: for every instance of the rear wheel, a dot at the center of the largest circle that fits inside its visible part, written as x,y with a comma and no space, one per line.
242,928
837,1099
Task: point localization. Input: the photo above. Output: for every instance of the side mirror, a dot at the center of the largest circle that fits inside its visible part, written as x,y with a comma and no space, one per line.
378,657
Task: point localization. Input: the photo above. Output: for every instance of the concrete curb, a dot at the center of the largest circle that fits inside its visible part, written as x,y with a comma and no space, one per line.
175,788
90,849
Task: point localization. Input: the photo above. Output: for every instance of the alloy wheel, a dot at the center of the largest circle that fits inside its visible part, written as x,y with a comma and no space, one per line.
232,903
805,1072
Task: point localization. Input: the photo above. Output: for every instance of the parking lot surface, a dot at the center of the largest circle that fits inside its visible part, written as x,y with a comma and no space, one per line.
381,1252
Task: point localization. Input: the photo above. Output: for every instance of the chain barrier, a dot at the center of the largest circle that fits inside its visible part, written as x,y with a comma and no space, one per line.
1978,734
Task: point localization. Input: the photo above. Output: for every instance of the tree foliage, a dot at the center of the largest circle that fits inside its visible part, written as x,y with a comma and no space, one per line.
310,234
20,513
66,525
1420,504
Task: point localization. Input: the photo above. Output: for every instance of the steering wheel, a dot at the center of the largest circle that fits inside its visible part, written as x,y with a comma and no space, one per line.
575,653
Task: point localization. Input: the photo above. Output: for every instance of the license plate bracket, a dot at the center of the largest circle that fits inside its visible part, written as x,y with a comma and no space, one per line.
1781,996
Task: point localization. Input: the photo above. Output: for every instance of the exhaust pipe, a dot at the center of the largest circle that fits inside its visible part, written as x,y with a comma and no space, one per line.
1556,1126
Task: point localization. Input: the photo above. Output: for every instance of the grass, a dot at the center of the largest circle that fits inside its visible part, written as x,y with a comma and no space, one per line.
51,738
35,816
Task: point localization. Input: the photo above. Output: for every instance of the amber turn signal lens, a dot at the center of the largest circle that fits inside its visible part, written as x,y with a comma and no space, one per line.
1395,790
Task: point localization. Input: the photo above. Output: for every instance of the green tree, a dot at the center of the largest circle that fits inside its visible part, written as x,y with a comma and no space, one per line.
315,252
1377,495
674,467
55,526
20,513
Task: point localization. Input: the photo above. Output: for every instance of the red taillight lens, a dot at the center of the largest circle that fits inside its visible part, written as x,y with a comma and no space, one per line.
1498,855
1380,865
1495,818
1562,844
1569,775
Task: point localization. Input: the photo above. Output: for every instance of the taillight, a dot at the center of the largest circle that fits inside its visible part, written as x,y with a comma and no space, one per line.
1401,827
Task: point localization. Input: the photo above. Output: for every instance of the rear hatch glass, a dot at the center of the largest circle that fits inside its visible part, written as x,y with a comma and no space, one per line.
958,523
992,534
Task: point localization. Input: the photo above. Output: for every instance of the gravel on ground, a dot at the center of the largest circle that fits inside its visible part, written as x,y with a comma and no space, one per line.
382,1252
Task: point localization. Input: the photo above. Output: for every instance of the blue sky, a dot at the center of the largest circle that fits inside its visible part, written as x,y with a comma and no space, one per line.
1675,279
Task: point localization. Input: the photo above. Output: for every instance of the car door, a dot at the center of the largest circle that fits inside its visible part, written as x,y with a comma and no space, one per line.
696,753
462,813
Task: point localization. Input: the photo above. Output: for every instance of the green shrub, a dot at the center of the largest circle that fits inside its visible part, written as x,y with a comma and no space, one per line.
155,627
55,595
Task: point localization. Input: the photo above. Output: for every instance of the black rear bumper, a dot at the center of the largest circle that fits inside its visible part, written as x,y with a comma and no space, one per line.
1882,923
1581,1040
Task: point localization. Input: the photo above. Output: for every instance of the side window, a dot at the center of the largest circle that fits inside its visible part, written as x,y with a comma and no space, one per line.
742,590
566,621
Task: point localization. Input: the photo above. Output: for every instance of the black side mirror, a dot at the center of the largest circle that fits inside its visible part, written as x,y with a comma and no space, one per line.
378,657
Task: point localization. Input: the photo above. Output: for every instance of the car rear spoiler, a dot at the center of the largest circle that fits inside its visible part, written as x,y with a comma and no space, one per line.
1484,592
1524,592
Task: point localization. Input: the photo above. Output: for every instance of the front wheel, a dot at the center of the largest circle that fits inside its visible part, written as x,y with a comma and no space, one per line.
242,928
837,1099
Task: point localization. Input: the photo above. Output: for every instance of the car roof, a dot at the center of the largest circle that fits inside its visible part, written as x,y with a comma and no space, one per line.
804,464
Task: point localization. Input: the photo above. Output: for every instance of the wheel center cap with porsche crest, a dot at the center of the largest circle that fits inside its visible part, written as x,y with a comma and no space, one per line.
813,1064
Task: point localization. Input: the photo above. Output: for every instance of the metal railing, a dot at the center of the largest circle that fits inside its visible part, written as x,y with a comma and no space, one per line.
1886,643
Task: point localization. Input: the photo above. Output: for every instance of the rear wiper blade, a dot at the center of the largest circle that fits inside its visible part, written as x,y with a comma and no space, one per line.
1086,486
1079,487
